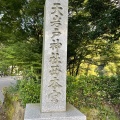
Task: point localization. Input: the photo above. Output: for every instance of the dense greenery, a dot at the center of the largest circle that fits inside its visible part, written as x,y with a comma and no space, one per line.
94,96
94,90
93,28
96,93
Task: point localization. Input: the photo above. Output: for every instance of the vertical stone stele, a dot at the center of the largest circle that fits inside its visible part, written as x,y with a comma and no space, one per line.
54,63
53,92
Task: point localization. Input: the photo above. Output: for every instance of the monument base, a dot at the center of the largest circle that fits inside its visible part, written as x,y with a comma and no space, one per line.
32,112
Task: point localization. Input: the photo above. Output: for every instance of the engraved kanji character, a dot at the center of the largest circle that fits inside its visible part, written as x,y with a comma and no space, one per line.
56,21
55,45
55,58
54,96
54,83
56,32
55,70
57,9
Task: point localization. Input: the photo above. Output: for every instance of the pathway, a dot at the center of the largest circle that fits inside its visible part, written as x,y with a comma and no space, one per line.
5,82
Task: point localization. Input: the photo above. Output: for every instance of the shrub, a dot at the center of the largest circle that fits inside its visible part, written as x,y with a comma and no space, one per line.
94,92
91,94
29,91
29,88
26,90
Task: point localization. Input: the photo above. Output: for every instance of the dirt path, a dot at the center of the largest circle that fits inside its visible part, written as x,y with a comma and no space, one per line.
5,82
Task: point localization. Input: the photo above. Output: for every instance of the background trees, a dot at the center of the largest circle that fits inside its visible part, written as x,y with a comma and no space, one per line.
94,27
21,31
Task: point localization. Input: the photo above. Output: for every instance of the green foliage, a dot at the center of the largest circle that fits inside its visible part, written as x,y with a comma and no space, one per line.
94,90
29,88
112,87
22,55
26,90
31,74
29,91
91,22
12,103
9,101
94,96
103,113
91,92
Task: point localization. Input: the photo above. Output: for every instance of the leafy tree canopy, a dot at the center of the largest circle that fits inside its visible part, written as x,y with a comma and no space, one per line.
91,23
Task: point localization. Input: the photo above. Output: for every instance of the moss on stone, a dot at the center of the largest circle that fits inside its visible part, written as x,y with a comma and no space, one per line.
13,109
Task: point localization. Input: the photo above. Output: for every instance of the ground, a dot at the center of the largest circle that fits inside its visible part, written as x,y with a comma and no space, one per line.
2,114
4,82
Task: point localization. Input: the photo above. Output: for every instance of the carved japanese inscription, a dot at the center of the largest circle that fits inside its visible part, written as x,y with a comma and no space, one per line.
53,91
55,59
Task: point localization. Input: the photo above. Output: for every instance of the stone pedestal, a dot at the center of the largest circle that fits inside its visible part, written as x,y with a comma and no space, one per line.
33,113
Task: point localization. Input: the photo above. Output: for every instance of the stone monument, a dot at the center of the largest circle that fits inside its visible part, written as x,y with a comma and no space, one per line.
53,83
53,92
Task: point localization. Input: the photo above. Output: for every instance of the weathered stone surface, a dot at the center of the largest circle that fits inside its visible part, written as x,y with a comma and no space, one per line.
53,91
33,113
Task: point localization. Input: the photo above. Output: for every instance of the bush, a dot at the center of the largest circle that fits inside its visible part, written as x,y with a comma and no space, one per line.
93,88
91,94
26,90
112,88
94,93
29,88
29,91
